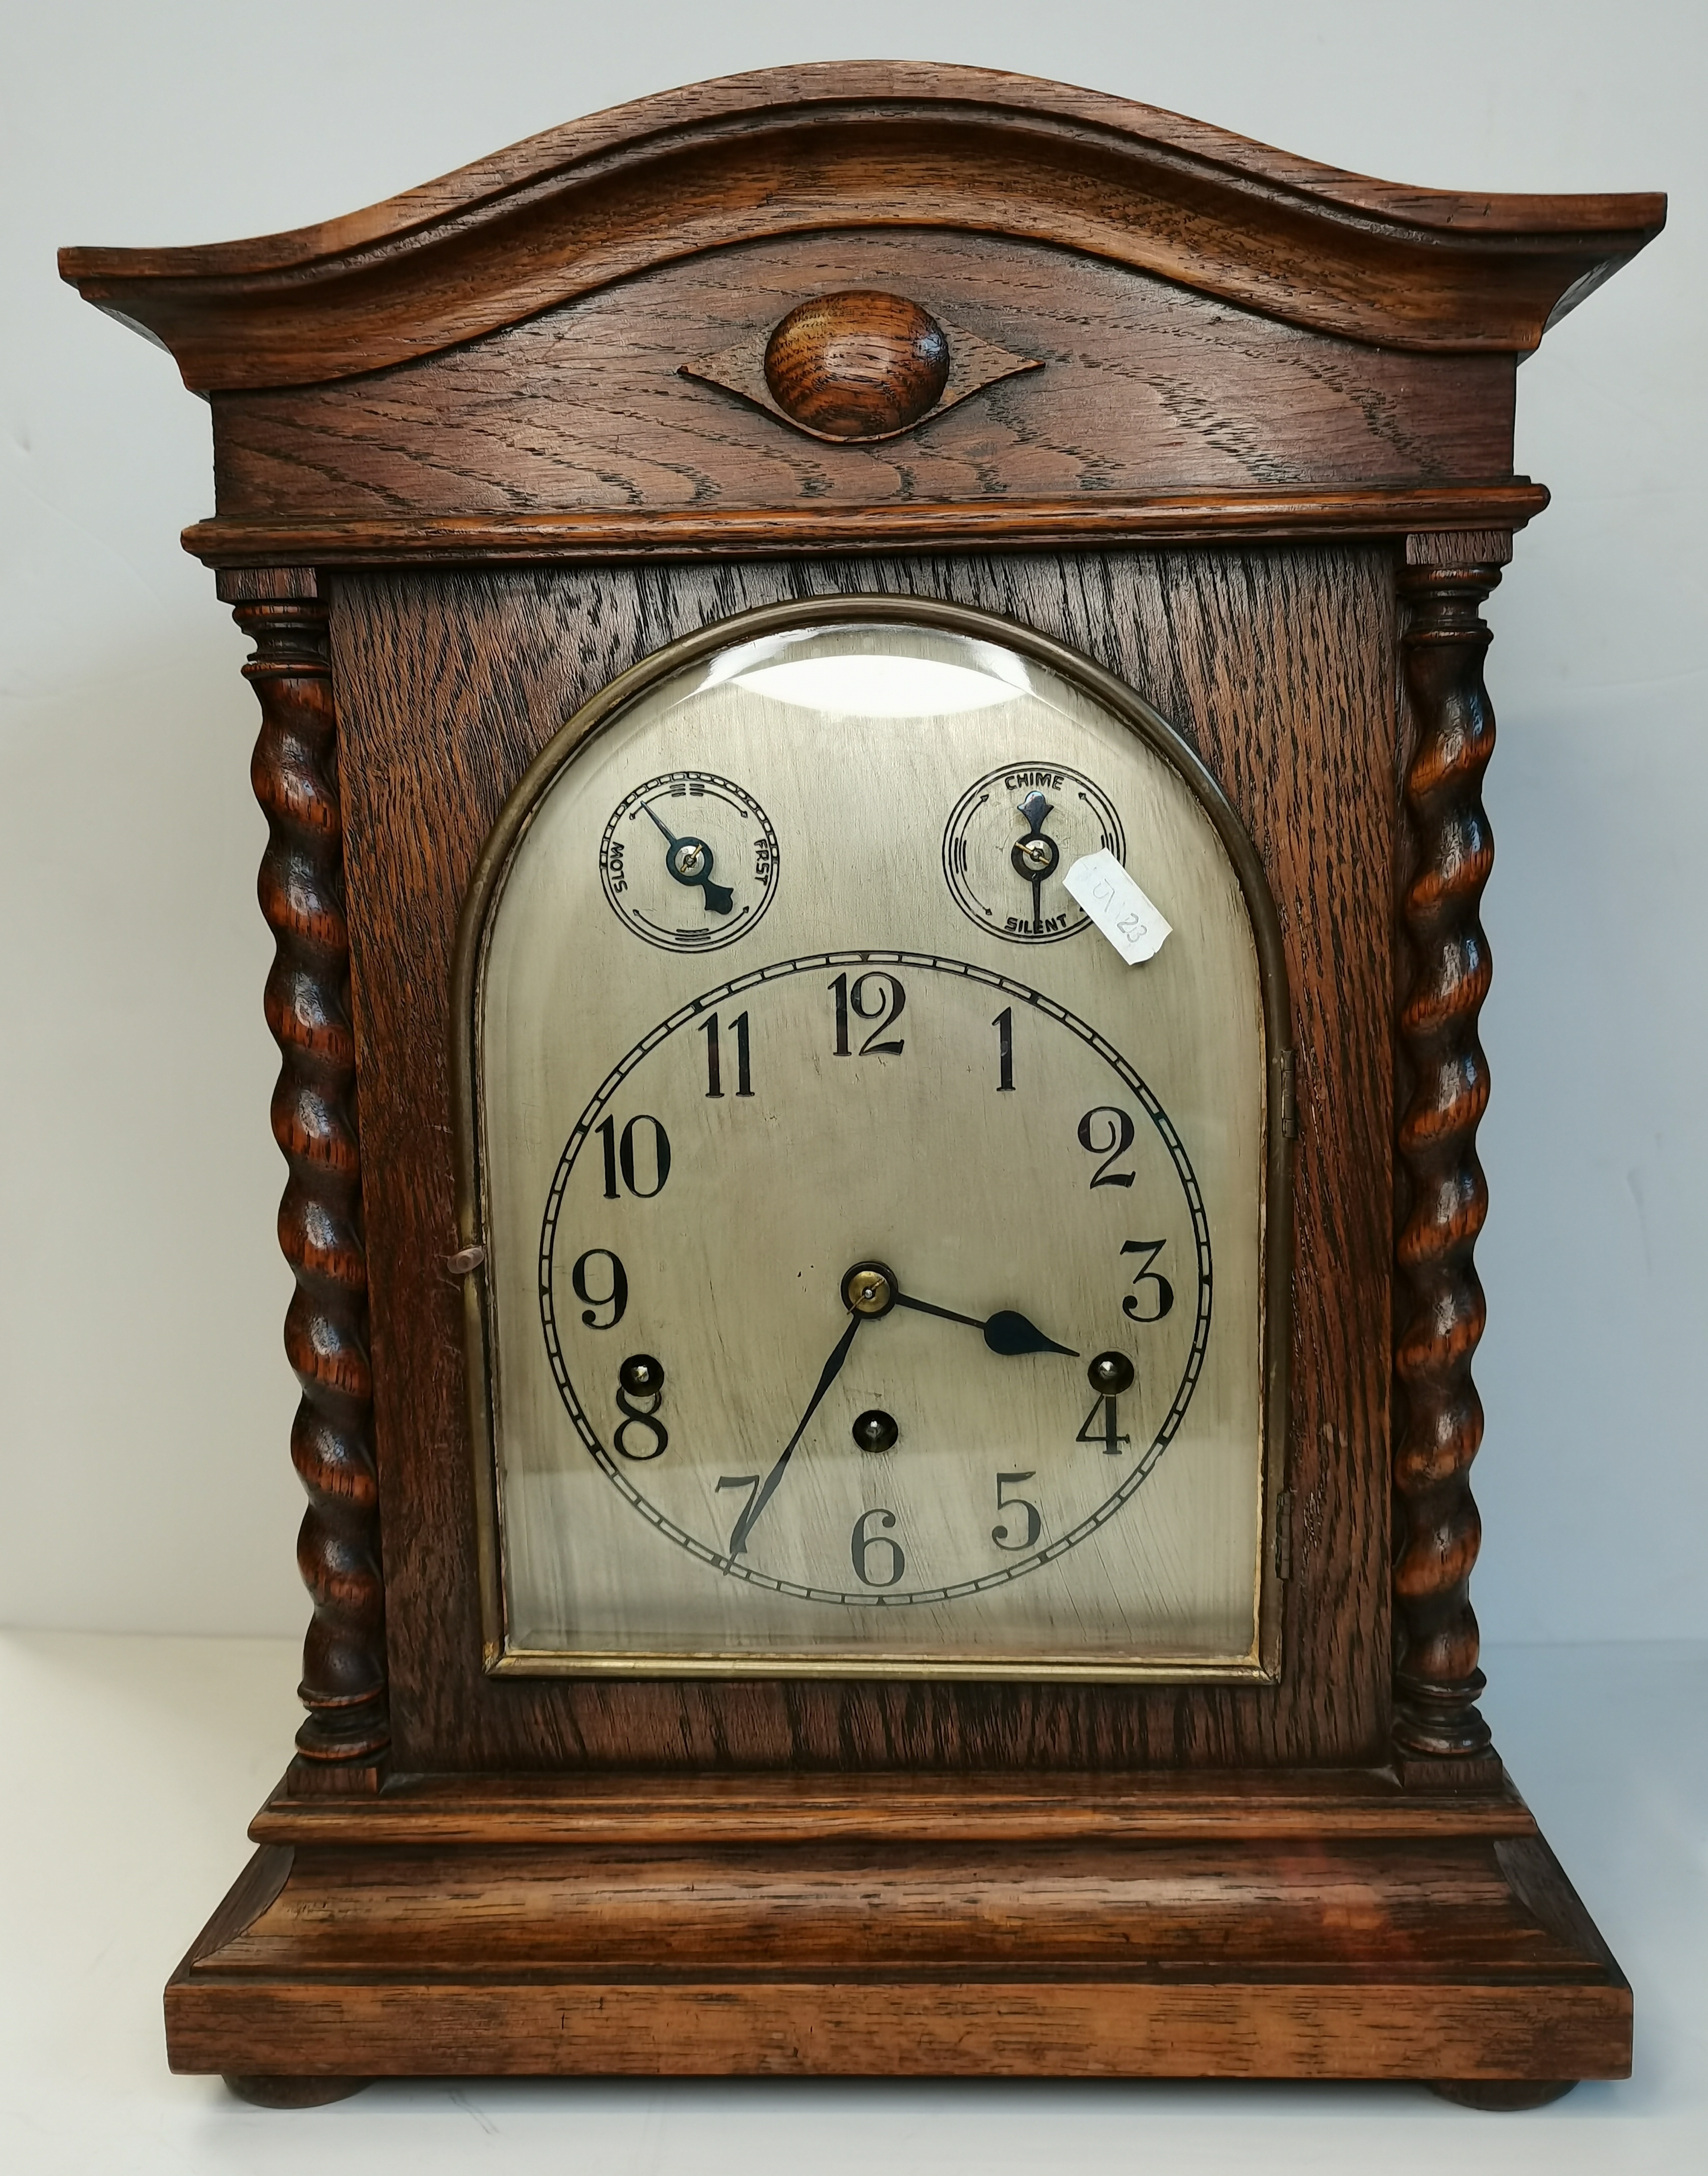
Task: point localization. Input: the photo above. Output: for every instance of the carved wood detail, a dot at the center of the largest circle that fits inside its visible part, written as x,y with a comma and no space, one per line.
295,773
858,365
875,143
858,368
1441,1313
974,527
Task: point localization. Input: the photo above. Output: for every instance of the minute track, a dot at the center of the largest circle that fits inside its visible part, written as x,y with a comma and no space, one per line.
726,1559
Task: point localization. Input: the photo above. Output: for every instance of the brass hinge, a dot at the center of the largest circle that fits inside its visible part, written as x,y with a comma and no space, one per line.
1289,1096
1284,1535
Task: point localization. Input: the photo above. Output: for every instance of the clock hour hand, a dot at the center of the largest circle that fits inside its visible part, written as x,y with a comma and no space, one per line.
768,1488
689,861
1005,1331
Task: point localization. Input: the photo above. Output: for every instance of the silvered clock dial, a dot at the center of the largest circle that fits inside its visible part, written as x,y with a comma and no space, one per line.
892,1293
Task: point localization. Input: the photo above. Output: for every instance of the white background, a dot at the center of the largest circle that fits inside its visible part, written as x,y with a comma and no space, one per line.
146,1401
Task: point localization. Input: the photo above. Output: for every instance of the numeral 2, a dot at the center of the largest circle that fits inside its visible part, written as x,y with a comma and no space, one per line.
1120,1139
879,999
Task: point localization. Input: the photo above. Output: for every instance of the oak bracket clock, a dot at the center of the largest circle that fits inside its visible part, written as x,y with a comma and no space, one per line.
871,722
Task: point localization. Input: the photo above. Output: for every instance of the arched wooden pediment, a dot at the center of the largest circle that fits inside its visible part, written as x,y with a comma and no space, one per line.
862,145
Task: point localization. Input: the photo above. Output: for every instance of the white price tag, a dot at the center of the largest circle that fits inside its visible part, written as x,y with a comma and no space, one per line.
1133,924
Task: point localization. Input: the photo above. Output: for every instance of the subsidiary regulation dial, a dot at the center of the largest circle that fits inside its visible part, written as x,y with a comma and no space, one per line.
688,861
1010,839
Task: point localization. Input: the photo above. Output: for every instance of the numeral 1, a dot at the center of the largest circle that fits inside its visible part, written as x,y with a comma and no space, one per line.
714,1074
1004,1026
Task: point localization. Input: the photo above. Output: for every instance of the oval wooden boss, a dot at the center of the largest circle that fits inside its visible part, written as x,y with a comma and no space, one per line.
857,364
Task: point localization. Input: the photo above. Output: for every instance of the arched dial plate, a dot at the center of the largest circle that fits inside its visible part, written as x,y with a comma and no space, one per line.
884,1298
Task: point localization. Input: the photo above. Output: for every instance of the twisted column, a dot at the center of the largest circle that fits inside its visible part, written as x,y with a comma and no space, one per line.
295,776
1437,1530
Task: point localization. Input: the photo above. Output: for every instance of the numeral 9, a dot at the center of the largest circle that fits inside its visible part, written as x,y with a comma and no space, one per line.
615,1296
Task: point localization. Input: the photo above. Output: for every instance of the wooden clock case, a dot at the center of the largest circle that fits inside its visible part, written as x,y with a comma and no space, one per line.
1238,428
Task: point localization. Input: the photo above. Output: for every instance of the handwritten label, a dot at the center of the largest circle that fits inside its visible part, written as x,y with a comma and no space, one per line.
1133,924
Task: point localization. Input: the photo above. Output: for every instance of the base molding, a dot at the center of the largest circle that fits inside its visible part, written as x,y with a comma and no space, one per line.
1307,1926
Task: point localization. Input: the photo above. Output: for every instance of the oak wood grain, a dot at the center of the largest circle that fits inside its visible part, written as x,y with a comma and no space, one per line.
1284,1808
868,144
930,2025
876,1909
1277,663
1450,851
295,773
1305,515
859,363
1147,390
1247,1956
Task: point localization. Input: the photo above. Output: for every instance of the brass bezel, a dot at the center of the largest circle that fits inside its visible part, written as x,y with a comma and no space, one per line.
486,887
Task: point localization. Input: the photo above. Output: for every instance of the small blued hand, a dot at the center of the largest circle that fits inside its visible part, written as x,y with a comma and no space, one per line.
689,861
1035,856
1005,1331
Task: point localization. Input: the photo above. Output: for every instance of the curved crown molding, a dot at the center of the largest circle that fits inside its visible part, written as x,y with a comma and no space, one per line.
865,144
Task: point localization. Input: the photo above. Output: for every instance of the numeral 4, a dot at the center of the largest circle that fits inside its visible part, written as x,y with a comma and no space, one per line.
1104,1413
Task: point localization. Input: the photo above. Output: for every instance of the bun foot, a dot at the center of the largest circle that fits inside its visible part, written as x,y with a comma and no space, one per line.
1501,2094
267,2089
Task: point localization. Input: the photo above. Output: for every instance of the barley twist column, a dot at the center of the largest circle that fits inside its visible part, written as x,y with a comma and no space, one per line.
295,773
1441,1312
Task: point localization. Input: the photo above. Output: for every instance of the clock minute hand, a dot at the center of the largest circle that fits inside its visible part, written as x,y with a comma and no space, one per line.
833,1367
1005,1331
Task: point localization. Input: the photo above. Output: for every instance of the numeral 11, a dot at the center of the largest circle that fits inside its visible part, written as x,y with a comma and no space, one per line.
714,1070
